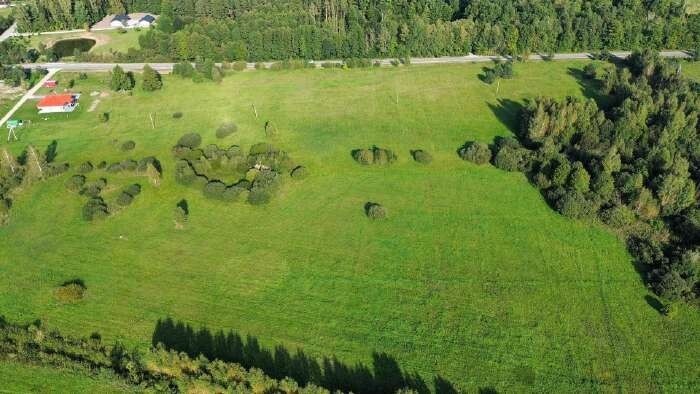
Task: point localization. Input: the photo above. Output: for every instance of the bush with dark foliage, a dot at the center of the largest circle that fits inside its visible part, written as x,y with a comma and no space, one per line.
476,152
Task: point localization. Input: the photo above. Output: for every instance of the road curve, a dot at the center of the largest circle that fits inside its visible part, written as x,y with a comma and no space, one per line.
168,67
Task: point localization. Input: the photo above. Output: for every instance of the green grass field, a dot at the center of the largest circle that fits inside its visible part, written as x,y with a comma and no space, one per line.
21,378
693,6
473,277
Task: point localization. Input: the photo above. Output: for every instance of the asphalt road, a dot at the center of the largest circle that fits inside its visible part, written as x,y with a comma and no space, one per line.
11,31
167,67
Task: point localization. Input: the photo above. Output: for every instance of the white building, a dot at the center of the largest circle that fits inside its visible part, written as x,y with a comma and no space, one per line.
147,21
121,20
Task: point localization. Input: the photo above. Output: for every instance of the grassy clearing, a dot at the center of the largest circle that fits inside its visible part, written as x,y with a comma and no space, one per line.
22,378
107,41
472,277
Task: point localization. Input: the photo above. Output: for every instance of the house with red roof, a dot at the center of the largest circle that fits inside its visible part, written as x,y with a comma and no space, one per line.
53,103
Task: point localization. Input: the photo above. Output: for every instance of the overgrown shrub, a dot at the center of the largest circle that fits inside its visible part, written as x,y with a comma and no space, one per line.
226,129
190,140
124,199
422,156
375,211
128,145
71,291
233,193
375,155
214,190
476,152
512,159
75,183
299,172
85,168
259,196
95,209
133,189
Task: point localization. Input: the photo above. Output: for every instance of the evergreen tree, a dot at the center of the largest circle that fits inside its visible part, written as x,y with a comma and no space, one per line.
151,79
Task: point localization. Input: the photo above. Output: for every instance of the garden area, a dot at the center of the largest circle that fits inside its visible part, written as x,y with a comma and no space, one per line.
388,242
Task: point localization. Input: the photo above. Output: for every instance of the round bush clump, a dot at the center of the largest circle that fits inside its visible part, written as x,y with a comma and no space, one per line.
114,167
422,156
129,165
133,190
233,193
125,199
75,183
128,145
71,291
190,140
177,115
101,165
95,209
259,196
214,189
226,129
375,211
85,168
363,156
299,172
476,152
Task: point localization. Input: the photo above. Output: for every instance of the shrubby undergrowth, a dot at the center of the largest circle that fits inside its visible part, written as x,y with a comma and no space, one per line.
156,369
229,174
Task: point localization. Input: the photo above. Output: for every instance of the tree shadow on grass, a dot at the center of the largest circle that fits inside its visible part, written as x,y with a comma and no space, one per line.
383,376
51,151
590,87
508,113
654,303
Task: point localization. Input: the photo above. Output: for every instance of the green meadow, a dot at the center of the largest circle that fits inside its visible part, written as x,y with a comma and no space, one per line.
22,378
472,277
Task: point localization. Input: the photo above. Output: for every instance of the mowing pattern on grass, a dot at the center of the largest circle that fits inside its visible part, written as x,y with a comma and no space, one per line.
473,278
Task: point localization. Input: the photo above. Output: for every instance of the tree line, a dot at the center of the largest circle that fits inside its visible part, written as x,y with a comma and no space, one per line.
155,369
257,30
635,164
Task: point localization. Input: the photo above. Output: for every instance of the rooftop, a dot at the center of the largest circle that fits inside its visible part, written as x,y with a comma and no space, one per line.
56,100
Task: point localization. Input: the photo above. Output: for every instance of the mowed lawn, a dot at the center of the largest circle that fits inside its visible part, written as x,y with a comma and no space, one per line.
472,278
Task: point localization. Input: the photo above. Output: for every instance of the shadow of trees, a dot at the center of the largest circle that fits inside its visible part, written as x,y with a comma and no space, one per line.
590,88
508,113
383,376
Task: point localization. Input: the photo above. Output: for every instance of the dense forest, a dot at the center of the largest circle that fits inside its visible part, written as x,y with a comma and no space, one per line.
323,29
634,164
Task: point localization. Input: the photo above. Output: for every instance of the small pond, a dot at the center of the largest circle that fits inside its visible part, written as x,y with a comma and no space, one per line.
67,47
